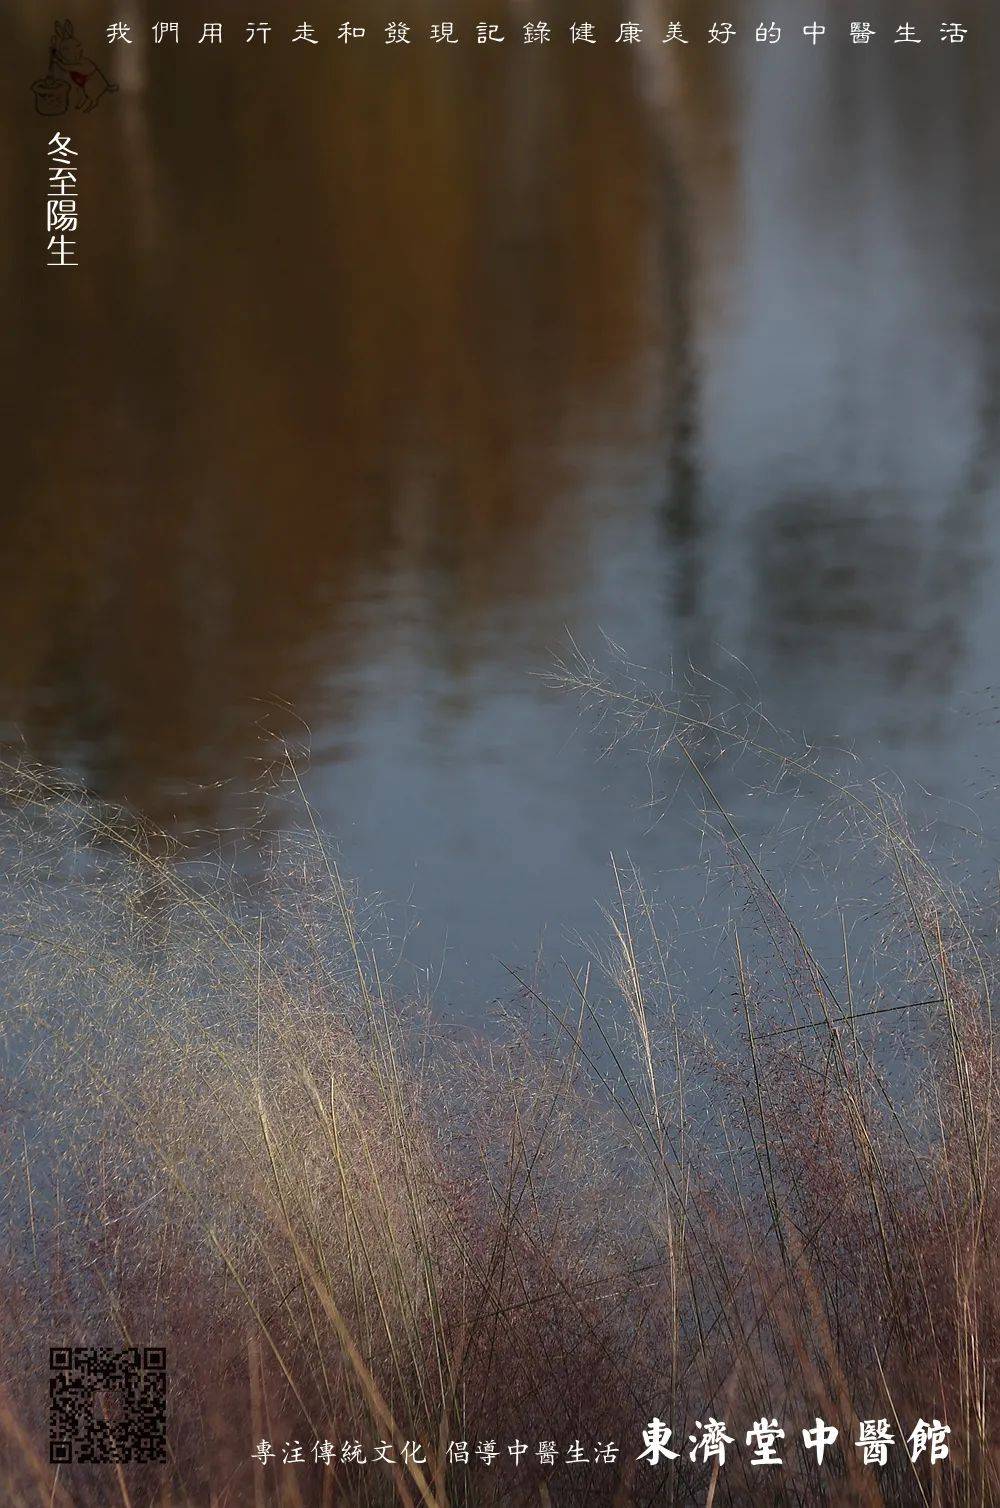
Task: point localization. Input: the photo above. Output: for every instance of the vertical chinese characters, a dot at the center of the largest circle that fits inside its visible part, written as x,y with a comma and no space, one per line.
61,215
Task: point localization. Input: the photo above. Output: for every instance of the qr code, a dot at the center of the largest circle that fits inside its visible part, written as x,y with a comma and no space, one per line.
107,1405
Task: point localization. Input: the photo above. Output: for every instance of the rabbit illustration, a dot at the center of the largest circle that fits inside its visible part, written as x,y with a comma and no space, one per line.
87,82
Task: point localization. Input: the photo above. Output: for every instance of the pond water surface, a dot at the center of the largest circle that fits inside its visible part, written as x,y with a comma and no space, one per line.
388,372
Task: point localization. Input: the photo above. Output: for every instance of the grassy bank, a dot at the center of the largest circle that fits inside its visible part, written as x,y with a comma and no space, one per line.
224,1135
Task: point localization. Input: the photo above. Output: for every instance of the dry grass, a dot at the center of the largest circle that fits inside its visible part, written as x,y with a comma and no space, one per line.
221,1136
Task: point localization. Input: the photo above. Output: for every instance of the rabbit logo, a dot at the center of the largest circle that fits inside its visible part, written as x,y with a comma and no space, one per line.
71,79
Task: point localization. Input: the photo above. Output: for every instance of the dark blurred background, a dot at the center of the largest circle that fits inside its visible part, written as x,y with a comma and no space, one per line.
387,369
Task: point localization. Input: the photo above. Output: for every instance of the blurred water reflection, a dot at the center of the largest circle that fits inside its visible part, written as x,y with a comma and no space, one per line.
387,367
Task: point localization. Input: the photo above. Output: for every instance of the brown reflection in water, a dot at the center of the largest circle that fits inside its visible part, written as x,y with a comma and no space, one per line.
340,317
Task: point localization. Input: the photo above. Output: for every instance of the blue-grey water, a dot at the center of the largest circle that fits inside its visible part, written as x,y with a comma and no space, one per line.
389,374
